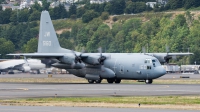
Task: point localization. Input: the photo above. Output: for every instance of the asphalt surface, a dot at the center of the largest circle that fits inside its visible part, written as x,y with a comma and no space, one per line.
81,109
25,90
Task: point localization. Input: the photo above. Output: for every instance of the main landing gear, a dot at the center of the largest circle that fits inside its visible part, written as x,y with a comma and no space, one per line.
148,81
110,81
95,81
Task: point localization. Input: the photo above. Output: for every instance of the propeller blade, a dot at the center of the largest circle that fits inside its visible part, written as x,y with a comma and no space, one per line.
174,57
167,48
77,58
101,58
100,51
143,50
73,64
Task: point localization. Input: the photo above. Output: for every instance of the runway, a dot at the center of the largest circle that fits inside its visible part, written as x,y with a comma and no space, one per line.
13,90
81,109
26,90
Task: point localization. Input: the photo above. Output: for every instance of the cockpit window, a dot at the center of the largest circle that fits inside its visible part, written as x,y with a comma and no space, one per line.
153,61
147,61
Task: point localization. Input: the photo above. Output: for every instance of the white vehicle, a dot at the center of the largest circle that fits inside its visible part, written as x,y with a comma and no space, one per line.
21,65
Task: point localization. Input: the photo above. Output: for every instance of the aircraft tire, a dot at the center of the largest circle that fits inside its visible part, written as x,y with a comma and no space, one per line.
98,81
110,81
117,81
10,72
148,81
90,81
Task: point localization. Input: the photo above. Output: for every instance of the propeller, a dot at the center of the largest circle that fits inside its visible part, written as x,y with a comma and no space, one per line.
77,58
168,57
167,48
101,58
143,50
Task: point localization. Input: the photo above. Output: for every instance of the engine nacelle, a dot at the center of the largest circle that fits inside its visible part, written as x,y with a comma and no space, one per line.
162,58
91,60
67,66
26,68
68,59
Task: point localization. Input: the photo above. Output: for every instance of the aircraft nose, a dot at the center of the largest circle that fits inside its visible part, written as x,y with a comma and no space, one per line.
160,71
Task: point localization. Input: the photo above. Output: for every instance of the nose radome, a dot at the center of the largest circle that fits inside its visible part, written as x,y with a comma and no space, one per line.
160,71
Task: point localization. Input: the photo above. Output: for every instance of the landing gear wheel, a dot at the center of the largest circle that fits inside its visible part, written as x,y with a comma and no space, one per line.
110,81
10,72
98,81
117,81
91,81
148,81
38,71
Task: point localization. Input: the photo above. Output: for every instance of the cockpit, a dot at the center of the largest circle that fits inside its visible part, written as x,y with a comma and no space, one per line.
150,62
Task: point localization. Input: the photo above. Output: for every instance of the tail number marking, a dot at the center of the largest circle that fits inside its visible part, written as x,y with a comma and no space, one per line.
47,34
46,43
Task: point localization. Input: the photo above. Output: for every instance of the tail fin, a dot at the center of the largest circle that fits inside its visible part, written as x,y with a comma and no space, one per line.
48,41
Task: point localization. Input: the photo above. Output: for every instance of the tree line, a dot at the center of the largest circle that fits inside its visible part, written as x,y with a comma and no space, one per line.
152,30
89,11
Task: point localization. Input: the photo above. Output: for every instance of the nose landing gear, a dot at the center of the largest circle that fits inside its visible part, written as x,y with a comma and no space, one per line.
148,81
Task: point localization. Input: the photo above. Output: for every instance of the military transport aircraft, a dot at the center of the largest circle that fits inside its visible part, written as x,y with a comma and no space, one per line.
94,66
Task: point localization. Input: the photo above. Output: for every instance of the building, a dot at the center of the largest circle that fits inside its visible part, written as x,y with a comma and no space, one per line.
98,1
151,4
11,6
162,2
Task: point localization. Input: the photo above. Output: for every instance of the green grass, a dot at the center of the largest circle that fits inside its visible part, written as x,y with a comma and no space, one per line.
151,100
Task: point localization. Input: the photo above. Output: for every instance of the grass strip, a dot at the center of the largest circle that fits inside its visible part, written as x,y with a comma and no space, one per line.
150,100
79,80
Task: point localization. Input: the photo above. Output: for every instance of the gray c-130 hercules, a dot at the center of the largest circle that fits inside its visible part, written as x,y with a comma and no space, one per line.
95,66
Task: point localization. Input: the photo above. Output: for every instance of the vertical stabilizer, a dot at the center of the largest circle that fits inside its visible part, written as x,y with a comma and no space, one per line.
48,41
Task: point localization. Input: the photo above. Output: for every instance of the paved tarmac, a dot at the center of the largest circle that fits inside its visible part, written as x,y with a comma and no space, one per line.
23,90
27,90
81,109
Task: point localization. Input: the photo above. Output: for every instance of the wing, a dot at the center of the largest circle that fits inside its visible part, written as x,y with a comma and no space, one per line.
180,54
11,64
40,55
165,57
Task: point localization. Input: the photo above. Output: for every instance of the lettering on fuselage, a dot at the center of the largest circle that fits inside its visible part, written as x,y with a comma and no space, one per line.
144,67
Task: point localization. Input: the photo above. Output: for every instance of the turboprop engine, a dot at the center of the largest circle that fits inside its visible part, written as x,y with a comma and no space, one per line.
68,59
163,58
91,60
66,66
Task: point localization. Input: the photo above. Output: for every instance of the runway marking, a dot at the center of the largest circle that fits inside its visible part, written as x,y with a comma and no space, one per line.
25,89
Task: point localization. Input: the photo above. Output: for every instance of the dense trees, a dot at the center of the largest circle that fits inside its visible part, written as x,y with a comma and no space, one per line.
152,31
6,47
